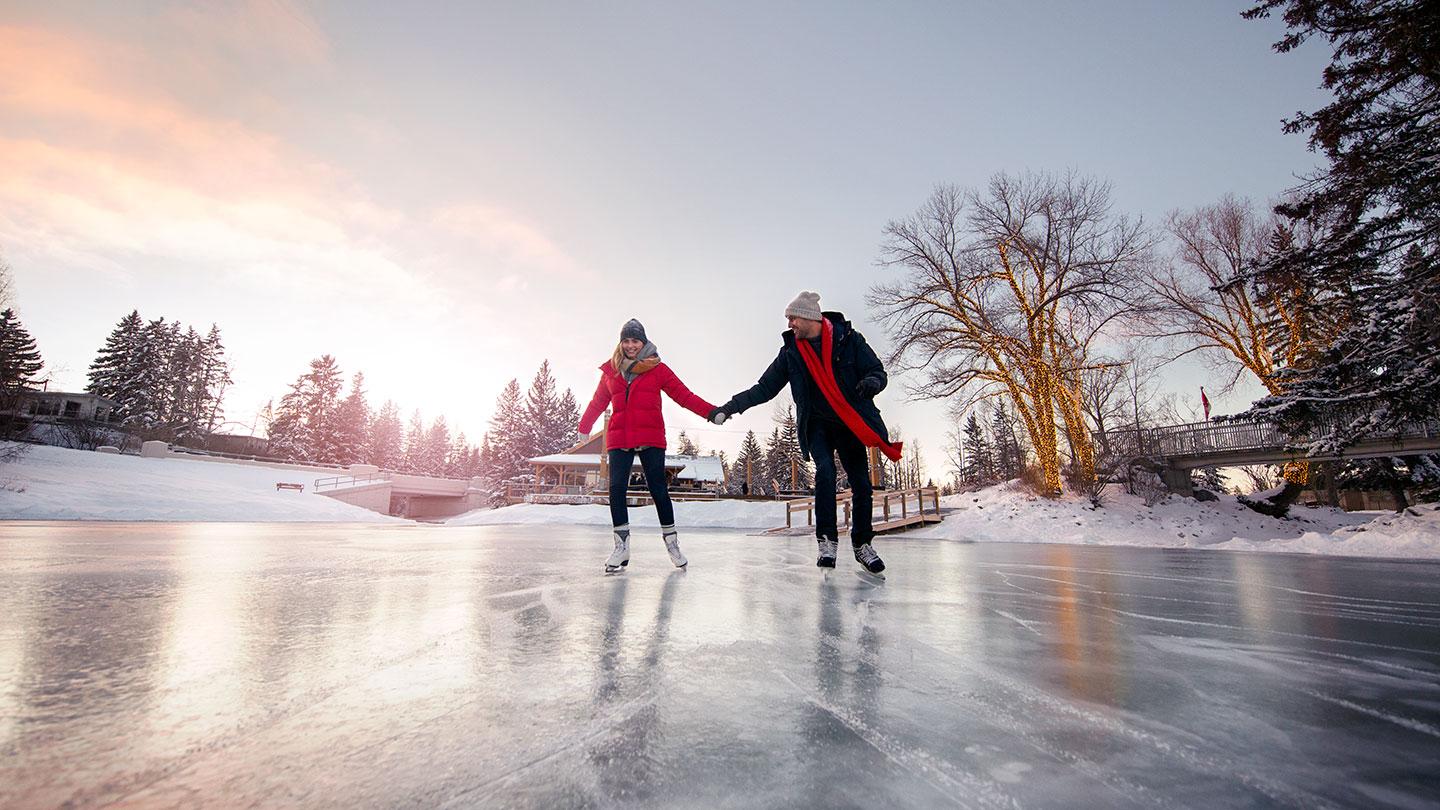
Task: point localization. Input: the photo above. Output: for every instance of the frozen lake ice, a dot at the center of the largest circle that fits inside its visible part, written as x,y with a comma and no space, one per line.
161,665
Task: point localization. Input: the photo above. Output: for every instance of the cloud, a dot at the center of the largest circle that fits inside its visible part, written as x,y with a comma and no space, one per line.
99,164
499,234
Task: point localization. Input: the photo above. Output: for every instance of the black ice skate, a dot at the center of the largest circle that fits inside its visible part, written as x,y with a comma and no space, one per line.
866,556
827,554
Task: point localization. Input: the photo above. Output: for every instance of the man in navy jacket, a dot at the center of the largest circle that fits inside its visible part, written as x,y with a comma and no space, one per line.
827,428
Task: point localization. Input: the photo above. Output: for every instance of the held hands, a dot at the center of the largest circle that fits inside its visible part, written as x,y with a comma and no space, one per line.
718,416
868,387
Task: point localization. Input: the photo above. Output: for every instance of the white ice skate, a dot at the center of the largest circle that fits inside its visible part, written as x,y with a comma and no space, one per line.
620,557
672,546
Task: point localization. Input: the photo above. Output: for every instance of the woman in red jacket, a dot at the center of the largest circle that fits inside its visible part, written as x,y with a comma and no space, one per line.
630,383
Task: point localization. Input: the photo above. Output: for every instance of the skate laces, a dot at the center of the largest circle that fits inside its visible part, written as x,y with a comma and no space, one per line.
866,554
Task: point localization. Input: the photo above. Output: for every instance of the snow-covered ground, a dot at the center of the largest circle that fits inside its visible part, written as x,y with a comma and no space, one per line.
54,484
1003,514
724,514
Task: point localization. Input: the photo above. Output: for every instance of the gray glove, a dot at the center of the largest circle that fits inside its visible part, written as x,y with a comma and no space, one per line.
718,416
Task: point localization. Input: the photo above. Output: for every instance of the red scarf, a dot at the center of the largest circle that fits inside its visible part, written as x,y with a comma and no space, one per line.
824,376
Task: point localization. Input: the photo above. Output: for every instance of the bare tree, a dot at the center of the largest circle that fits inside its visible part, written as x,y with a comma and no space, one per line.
1005,293
1205,300
1208,299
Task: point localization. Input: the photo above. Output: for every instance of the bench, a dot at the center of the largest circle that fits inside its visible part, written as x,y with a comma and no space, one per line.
279,486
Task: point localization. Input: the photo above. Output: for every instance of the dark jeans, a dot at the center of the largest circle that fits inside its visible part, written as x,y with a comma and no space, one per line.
652,461
827,440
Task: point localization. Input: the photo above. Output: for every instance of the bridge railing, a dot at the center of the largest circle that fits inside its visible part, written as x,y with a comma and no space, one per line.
335,482
1204,438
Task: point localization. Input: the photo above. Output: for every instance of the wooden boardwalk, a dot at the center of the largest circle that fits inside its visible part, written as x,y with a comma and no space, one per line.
893,509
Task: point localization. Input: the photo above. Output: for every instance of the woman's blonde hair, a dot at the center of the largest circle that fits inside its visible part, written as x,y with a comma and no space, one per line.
616,357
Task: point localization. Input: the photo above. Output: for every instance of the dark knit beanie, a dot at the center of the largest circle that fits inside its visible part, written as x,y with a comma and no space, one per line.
633,329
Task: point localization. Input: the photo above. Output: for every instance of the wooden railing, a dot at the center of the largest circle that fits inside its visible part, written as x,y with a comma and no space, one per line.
894,506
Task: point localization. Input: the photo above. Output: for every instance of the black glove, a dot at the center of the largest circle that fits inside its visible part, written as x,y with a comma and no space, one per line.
868,387
718,416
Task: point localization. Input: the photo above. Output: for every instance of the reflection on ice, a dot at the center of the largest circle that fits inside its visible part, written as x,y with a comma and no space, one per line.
160,664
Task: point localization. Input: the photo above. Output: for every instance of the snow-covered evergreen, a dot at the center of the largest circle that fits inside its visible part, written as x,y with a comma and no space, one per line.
305,426
387,438
352,424
166,379
20,362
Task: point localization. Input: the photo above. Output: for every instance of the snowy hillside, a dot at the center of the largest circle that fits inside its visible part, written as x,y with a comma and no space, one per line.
52,483
1001,514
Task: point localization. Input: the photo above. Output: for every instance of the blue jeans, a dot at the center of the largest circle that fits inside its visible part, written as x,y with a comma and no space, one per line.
652,462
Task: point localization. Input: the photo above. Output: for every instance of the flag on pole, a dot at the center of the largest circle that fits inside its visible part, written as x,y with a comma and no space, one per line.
1205,402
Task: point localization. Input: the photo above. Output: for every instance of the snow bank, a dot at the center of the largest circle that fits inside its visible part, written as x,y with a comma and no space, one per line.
695,514
1412,533
52,483
1001,514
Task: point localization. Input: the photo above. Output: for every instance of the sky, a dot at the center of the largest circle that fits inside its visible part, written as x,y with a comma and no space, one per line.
443,195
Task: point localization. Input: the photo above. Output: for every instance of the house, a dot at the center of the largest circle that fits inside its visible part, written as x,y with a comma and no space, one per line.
584,469
49,406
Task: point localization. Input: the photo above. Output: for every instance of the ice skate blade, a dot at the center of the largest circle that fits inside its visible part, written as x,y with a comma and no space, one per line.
870,577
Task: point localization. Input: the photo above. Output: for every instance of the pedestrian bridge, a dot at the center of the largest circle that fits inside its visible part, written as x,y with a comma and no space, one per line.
1229,444
1182,448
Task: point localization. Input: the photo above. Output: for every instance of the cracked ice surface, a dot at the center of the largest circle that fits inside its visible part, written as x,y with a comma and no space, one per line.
162,665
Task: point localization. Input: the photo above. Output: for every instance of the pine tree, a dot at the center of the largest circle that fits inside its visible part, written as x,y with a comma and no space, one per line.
165,378
149,405
305,423
352,424
790,455
435,455
413,460
20,362
979,466
458,463
550,418
749,466
769,475
387,438
1375,215
685,447
1009,456
113,373
508,435
568,420
181,413
212,381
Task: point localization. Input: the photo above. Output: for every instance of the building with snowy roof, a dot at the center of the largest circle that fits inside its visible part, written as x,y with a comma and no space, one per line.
584,469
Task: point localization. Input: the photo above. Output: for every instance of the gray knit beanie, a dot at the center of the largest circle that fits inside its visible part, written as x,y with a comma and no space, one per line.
633,329
806,305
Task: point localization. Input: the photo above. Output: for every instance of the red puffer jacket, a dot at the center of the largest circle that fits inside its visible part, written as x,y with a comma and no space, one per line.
636,420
